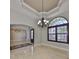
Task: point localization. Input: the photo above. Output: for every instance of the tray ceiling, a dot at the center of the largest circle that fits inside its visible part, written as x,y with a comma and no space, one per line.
37,4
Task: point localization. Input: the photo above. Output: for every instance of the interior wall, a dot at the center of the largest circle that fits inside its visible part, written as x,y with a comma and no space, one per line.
21,32
55,44
19,18
63,11
22,16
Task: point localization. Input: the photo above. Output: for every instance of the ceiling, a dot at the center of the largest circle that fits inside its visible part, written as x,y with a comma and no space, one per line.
47,4
19,6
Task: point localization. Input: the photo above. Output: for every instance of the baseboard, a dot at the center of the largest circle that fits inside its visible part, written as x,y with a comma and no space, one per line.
61,49
36,44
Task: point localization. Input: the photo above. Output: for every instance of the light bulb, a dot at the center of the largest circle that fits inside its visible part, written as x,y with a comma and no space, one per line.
39,21
44,20
47,21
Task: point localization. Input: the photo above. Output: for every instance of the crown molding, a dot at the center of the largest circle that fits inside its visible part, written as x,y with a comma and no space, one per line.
56,8
24,5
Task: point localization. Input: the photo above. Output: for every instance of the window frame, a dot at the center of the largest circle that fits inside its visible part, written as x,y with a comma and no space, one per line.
55,26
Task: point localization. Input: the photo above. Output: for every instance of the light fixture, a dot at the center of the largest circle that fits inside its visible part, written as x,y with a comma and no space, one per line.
43,22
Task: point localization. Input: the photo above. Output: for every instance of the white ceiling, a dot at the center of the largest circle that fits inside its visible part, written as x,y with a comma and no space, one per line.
21,7
37,4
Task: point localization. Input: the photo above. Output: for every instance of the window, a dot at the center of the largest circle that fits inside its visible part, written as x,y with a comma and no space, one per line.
32,35
52,34
58,30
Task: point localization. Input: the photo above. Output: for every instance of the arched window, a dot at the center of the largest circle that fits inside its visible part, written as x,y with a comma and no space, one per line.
58,30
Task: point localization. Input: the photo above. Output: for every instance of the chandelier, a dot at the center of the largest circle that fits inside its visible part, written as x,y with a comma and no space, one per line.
43,22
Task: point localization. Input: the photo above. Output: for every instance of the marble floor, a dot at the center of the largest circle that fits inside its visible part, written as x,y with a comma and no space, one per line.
39,52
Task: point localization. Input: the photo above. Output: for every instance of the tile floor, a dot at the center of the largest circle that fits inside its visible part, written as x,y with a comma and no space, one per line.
39,52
